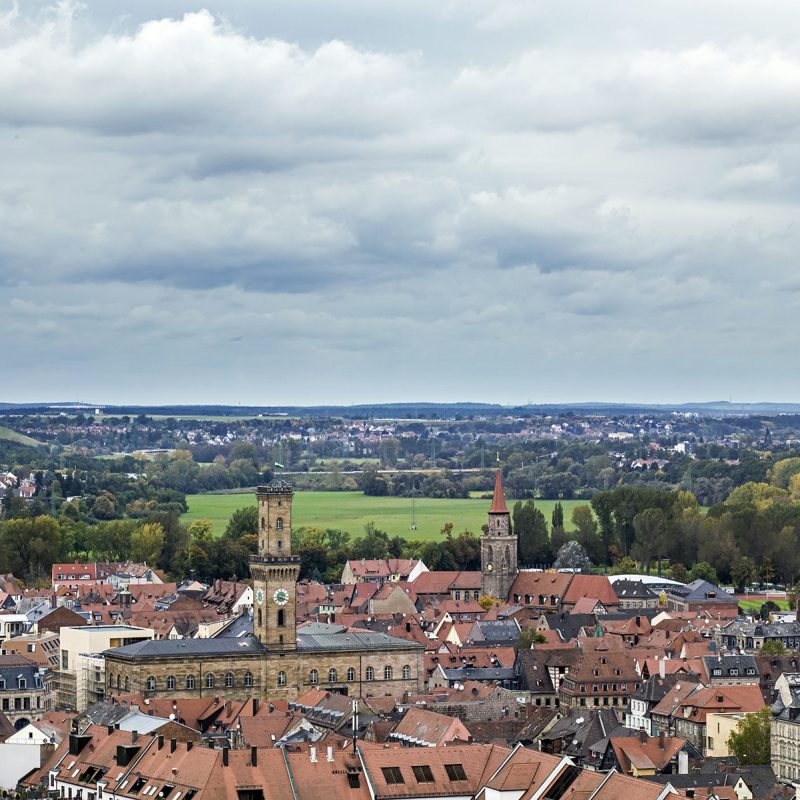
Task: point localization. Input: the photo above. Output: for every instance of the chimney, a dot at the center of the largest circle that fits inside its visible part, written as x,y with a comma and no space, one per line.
110,729
643,736
189,745
134,736
255,706
254,756
160,741
173,743
224,756
661,670
77,742
313,755
329,757
661,739
690,792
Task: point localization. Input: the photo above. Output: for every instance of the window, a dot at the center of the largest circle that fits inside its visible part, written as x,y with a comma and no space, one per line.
392,775
370,675
281,678
210,680
313,677
281,618
64,660
458,594
351,674
248,679
279,524
406,672
228,680
151,684
423,774
331,675
260,623
190,682
171,682
455,772
387,673
127,683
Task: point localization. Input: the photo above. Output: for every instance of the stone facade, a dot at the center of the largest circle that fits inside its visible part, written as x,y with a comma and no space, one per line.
498,548
281,663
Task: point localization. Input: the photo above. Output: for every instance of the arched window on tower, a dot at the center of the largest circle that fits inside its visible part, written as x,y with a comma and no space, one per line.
259,618
279,524
263,523
490,553
281,618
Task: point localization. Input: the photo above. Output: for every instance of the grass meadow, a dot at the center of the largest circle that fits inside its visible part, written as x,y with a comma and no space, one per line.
351,511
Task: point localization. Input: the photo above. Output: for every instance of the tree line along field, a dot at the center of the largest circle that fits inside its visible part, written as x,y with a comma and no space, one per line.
351,511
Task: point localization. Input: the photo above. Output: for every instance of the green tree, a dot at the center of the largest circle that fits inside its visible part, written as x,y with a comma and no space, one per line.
527,638
743,573
651,531
603,505
531,529
557,517
104,507
750,742
243,522
774,647
624,566
702,570
147,542
678,572
31,546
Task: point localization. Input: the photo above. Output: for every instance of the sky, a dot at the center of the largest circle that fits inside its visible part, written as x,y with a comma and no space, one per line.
308,202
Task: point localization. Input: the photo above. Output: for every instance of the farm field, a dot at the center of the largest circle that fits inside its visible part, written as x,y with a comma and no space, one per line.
20,438
351,511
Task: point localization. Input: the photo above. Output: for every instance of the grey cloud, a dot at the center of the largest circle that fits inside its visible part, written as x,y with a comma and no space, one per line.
382,199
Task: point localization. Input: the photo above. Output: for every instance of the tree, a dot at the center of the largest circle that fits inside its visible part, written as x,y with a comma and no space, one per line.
625,566
104,507
651,530
678,572
527,638
702,570
243,522
557,517
147,542
603,505
750,742
773,647
531,528
743,573
486,602
572,556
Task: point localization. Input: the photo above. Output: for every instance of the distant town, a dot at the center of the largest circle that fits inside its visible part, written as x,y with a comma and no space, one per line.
442,601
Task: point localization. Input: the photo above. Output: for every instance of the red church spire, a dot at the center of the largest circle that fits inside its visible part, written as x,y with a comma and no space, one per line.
498,500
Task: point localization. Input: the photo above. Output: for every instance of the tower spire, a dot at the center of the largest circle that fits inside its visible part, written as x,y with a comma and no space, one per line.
498,499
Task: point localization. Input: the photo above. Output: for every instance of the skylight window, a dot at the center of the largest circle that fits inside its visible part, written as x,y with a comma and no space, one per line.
392,775
423,774
455,772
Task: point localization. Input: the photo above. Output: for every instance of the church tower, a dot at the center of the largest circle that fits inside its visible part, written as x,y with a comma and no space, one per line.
498,547
275,570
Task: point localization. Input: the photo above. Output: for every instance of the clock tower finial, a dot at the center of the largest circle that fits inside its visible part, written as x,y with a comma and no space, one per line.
275,570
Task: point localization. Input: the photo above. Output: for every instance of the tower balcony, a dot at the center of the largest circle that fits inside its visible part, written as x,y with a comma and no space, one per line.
274,559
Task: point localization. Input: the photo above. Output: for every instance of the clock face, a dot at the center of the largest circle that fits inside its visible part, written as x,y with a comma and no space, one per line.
260,597
489,567
281,597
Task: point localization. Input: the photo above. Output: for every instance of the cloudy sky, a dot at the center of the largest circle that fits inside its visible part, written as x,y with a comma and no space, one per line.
307,201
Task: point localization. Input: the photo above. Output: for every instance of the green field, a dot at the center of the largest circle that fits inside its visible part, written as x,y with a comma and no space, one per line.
20,438
351,511
755,605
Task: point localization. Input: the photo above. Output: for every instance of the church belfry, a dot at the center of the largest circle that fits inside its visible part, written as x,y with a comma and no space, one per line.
498,547
275,570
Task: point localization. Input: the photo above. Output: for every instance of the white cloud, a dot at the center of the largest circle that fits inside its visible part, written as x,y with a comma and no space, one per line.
387,198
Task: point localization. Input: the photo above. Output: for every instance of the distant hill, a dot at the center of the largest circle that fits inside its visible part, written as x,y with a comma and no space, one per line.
410,410
19,438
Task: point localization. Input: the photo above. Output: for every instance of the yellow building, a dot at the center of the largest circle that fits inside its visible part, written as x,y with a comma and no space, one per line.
718,728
